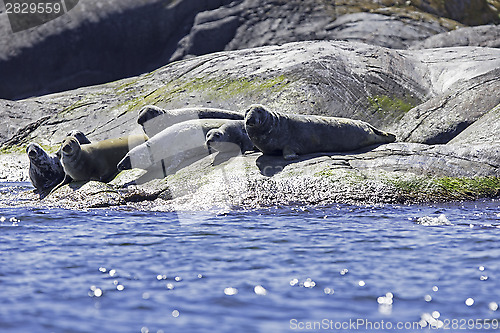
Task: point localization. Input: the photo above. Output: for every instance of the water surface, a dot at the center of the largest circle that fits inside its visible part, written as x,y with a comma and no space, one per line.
279,269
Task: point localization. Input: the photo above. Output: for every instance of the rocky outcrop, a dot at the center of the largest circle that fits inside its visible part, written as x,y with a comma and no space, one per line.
485,36
425,96
392,173
99,42
447,97
95,42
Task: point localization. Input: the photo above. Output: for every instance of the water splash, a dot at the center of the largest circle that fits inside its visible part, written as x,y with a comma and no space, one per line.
433,221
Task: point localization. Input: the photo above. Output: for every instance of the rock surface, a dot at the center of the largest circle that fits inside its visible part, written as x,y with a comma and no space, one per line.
486,36
101,41
447,97
406,92
392,173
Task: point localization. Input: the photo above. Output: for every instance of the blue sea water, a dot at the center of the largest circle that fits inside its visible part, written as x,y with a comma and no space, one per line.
283,269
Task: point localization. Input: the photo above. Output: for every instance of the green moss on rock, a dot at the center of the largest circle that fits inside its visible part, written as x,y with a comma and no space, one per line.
448,188
393,107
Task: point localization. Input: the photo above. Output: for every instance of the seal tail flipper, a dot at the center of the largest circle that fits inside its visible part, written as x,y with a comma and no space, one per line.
388,137
67,179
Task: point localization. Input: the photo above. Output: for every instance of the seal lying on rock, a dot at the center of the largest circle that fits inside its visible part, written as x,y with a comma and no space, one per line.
45,171
173,148
229,136
95,161
166,118
291,135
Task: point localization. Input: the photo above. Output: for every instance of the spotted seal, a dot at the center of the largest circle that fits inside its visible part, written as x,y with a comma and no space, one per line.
45,171
290,135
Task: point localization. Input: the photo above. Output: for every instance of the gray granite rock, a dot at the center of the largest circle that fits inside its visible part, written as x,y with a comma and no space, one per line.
102,41
485,36
421,95
392,173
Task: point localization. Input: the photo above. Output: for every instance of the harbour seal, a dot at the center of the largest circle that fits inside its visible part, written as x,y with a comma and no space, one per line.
290,135
166,118
45,171
95,161
78,135
230,136
171,149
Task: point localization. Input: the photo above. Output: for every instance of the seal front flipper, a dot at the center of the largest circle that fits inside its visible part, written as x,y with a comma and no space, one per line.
289,153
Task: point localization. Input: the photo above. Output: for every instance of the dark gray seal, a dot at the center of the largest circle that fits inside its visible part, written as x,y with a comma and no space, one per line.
290,135
229,137
45,171
166,118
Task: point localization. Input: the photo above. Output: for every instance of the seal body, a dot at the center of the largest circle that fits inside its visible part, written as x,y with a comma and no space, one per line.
45,171
96,161
166,118
230,136
290,135
173,148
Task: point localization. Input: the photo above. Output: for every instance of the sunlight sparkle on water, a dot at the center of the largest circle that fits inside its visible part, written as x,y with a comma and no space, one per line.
328,291
493,306
387,299
230,291
95,292
259,290
309,283
469,301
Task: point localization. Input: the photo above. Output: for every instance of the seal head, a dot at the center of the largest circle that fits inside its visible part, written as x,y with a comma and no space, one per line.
231,136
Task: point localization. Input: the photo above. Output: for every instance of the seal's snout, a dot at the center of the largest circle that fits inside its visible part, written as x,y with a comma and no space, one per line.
125,164
67,149
149,112
32,151
250,120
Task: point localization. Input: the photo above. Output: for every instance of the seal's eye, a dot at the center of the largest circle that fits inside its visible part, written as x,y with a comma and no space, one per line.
217,135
